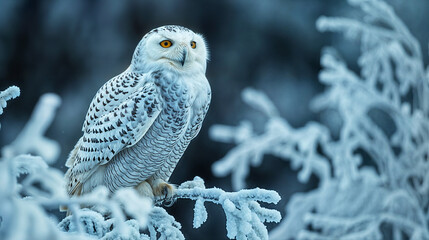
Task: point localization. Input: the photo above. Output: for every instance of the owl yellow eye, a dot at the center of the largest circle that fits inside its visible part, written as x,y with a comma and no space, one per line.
166,43
193,44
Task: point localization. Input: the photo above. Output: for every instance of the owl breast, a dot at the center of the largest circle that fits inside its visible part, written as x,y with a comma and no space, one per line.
185,104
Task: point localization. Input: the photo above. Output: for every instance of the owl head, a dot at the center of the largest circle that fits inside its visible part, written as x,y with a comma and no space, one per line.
173,47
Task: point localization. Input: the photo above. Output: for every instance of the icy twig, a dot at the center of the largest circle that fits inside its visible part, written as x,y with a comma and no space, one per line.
6,95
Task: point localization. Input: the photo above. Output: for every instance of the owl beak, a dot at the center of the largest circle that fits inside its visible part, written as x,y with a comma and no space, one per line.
184,54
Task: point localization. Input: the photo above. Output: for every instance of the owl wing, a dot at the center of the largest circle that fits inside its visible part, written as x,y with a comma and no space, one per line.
113,131
112,94
108,98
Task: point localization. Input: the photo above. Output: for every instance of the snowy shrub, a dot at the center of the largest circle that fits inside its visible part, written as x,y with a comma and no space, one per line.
30,190
373,176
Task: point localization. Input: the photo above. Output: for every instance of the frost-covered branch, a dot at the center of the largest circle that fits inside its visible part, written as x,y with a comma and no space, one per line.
278,139
23,218
385,38
391,69
100,214
164,225
23,212
384,119
244,216
6,95
43,189
124,202
31,139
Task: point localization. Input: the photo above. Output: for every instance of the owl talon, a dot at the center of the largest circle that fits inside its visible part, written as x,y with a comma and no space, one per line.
169,199
163,192
168,202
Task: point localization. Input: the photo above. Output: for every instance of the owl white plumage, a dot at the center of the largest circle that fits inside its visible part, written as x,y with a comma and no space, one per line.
140,122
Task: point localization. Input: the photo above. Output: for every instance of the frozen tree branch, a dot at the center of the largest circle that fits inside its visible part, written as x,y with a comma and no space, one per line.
43,188
163,224
357,200
6,95
23,218
244,215
31,139
103,215
279,139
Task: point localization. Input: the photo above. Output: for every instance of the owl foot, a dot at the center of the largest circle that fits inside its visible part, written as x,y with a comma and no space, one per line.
145,189
163,192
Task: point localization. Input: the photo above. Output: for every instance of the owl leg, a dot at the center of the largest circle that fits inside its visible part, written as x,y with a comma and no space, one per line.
144,189
162,191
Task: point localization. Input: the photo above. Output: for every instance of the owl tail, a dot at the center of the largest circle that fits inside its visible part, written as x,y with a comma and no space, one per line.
76,190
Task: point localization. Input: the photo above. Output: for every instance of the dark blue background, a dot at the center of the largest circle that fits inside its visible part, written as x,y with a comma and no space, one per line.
72,47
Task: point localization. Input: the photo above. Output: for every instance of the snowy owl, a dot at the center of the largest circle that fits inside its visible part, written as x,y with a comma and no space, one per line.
140,122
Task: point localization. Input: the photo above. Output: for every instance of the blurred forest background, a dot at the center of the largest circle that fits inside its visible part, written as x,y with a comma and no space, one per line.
73,47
